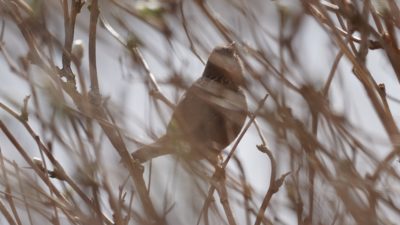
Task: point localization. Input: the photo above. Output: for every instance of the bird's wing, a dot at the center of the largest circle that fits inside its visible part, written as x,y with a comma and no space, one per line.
206,112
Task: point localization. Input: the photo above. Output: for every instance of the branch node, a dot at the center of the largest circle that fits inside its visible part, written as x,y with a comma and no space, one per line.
24,111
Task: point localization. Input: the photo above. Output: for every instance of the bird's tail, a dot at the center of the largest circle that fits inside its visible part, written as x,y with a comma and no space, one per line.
152,151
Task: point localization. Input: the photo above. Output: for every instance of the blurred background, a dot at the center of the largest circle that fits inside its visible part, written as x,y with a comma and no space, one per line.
84,83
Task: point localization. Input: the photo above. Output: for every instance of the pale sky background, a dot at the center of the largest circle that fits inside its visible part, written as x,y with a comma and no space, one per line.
316,58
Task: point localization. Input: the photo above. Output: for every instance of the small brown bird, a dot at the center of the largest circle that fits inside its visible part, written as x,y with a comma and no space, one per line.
209,116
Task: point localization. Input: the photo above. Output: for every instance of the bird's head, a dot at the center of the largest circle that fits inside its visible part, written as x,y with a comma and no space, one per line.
225,66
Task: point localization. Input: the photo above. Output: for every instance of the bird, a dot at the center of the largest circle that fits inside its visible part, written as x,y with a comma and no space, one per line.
209,116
